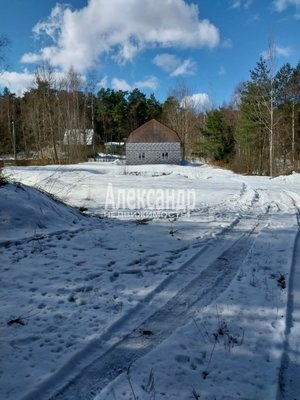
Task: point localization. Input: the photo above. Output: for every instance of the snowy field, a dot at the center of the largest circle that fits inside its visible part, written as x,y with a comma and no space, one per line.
174,282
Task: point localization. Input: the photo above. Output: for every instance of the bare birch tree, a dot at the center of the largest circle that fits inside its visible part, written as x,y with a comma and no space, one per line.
177,113
261,94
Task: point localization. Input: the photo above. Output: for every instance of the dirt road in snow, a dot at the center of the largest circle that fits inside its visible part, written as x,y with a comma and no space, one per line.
213,268
289,383
109,296
204,289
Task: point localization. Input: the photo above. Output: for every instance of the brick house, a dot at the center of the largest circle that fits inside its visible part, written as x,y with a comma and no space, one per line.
153,143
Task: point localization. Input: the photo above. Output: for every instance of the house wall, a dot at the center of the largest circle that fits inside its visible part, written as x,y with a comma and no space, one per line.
153,153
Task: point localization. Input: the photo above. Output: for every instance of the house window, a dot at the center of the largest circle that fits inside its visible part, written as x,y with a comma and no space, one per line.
142,156
164,156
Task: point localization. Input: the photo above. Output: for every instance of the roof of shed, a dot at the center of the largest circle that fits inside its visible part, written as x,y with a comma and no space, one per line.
153,132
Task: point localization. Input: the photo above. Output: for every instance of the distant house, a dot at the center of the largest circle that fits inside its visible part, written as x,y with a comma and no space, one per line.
153,143
79,137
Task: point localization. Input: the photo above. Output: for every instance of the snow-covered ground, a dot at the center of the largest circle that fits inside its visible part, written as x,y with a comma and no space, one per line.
177,282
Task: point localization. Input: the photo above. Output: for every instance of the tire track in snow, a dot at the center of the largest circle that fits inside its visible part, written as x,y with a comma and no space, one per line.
217,271
209,250
289,384
241,225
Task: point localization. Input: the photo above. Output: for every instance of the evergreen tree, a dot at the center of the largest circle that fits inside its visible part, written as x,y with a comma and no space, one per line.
250,139
285,102
137,109
295,98
218,135
9,116
259,98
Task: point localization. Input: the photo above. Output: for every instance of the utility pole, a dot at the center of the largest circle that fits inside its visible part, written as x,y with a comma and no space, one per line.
14,138
93,124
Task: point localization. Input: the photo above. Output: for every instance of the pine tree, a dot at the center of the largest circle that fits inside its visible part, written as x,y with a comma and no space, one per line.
218,135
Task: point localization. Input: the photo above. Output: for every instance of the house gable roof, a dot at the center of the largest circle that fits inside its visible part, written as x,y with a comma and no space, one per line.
153,132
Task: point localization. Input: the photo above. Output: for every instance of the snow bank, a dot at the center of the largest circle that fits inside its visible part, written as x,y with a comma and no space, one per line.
26,212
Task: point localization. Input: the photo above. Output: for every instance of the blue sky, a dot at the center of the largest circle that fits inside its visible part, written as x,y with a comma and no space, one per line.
210,45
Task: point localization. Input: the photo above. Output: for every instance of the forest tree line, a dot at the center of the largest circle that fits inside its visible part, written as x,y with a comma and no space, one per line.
258,132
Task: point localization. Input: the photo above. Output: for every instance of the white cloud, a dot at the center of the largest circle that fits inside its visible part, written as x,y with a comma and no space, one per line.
51,27
227,43
20,82
241,3
254,18
200,102
173,65
120,29
284,51
188,67
222,71
149,83
17,82
279,51
167,62
121,84
281,5
31,58
103,83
